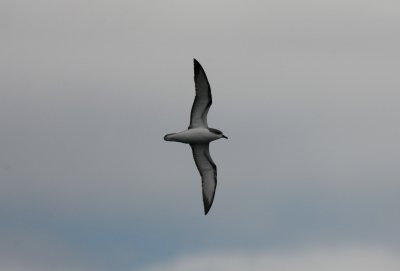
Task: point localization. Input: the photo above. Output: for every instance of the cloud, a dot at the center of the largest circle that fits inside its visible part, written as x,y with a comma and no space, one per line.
316,259
307,93
23,251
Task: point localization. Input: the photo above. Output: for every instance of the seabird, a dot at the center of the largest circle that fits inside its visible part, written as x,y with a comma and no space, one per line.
199,135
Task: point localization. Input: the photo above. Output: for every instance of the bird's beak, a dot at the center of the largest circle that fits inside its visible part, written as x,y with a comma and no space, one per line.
224,136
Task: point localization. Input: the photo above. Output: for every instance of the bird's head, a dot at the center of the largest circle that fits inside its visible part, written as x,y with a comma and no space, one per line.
218,133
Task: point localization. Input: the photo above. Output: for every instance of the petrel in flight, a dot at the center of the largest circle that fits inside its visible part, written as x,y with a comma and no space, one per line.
198,135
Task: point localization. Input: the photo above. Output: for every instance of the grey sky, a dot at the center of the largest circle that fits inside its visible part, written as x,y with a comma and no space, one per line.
307,92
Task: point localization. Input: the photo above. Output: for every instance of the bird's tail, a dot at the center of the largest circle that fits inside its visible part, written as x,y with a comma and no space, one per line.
168,137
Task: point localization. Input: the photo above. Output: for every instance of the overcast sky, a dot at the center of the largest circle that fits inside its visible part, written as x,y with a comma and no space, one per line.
308,93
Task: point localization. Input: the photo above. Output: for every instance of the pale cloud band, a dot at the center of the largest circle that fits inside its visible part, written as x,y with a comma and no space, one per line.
315,259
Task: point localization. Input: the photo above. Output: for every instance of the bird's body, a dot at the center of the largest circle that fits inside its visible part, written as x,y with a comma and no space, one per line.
193,136
199,135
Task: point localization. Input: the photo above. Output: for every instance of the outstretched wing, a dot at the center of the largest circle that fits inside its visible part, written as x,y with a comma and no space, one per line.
208,173
203,99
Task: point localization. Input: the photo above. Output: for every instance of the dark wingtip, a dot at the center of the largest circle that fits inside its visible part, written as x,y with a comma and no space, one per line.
197,66
206,209
207,205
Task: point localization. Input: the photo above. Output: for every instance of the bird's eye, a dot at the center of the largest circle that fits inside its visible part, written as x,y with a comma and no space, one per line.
215,131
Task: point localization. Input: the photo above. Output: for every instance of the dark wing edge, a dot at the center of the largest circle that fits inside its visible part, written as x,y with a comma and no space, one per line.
208,173
203,99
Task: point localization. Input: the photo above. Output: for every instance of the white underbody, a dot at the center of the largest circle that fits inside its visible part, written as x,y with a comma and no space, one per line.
193,136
